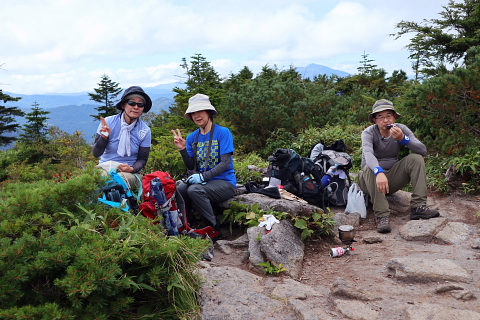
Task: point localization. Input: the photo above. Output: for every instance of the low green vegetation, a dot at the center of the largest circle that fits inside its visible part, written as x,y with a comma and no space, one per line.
64,256
270,268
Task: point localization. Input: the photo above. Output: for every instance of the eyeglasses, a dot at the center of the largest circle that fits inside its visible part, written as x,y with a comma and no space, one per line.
133,104
382,117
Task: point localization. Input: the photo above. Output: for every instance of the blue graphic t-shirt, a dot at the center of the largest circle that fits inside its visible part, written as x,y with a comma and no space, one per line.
222,143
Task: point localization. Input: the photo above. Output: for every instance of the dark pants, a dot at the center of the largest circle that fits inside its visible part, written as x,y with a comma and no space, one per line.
201,197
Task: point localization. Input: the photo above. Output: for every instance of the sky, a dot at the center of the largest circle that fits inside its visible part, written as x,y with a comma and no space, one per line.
65,46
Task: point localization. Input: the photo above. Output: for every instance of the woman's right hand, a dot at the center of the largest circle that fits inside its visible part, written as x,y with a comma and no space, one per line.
105,131
178,140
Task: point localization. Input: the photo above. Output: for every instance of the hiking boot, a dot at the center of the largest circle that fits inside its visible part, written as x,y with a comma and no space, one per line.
423,212
383,225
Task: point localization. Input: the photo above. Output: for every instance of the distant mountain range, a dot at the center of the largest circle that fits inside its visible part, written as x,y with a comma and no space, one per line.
72,111
313,70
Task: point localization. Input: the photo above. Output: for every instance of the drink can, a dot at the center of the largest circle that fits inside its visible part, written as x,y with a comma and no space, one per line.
337,252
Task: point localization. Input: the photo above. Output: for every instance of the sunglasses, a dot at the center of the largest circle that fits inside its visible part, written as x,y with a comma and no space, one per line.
133,104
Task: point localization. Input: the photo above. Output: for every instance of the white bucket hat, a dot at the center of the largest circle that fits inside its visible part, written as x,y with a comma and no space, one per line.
199,102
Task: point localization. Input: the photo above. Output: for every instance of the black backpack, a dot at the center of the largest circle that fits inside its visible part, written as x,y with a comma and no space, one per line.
298,175
334,155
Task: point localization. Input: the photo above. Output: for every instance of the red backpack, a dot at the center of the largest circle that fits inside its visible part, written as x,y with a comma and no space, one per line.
171,205
159,191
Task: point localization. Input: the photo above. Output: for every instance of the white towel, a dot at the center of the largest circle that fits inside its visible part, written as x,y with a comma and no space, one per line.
124,143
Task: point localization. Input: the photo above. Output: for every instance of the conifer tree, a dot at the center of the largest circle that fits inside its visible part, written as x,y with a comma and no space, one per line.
438,42
7,119
36,127
106,94
201,78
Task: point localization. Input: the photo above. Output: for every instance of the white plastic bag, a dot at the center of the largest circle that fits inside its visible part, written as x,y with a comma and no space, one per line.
350,208
356,201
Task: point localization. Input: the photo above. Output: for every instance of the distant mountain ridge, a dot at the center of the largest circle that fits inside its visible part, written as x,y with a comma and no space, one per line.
313,70
72,111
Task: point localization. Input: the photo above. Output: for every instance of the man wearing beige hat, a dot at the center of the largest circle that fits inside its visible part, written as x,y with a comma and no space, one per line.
384,173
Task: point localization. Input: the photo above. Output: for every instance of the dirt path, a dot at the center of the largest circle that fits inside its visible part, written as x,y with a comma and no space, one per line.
366,266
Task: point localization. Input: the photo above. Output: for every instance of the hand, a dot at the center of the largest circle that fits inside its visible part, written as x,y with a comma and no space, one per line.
196,178
124,167
397,133
382,183
105,131
332,171
178,140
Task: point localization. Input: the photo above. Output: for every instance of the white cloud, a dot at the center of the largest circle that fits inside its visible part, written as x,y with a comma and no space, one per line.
65,46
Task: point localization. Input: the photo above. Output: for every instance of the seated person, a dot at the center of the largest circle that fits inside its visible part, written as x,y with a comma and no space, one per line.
383,173
208,151
125,138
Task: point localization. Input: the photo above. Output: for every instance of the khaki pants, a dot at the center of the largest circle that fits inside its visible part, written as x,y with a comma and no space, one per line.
409,169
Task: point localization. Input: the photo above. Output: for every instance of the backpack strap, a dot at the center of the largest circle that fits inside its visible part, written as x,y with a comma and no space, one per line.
208,150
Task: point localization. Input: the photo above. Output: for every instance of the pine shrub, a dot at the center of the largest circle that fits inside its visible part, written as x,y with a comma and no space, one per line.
66,257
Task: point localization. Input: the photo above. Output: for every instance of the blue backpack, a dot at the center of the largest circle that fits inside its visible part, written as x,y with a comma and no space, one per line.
117,194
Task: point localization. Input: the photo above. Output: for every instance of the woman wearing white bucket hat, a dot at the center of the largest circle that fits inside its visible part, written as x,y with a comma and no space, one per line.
208,152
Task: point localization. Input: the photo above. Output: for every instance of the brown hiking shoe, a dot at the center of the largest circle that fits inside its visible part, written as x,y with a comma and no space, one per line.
383,225
423,212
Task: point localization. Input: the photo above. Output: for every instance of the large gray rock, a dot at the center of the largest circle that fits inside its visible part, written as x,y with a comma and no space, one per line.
455,233
427,270
356,310
422,230
232,293
291,289
428,311
267,203
283,245
256,256
344,288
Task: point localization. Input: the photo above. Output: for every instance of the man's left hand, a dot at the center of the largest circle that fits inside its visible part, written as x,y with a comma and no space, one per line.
397,133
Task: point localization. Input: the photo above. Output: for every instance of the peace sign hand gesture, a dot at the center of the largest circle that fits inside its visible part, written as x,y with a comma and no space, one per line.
178,140
105,130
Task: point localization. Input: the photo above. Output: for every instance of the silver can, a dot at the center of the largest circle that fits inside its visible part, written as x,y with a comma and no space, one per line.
337,252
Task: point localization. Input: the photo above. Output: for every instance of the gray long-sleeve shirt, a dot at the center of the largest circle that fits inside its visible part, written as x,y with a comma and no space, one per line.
384,152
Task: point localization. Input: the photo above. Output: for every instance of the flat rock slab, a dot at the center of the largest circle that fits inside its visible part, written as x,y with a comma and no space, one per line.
232,293
427,270
356,310
291,289
421,230
427,311
455,233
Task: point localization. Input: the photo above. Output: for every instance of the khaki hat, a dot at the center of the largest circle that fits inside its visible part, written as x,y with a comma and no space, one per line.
382,105
199,102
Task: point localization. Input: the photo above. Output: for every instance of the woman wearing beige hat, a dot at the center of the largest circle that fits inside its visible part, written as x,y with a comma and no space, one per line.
384,173
208,153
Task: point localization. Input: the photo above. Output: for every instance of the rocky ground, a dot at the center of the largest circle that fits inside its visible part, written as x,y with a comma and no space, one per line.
421,270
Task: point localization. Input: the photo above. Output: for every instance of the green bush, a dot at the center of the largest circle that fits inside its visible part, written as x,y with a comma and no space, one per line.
243,173
164,156
70,257
308,138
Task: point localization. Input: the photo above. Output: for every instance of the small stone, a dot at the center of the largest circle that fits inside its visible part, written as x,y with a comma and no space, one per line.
372,240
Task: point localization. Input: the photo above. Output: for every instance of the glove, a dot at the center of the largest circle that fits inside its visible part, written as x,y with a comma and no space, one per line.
196,178
268,221
332,171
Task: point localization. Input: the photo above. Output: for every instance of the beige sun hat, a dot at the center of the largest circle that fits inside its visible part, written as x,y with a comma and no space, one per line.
199,102
382,105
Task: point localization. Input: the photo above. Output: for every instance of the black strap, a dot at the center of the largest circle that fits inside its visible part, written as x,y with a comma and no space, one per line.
208,151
